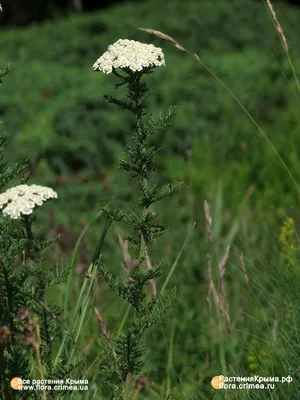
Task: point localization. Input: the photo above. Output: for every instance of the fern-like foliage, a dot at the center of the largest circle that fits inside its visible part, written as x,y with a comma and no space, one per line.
123,355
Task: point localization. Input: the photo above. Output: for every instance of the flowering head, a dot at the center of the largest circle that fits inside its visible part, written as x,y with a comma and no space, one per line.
21,200
130,55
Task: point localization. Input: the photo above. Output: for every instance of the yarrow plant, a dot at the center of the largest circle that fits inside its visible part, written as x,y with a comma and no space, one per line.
131,62
28,326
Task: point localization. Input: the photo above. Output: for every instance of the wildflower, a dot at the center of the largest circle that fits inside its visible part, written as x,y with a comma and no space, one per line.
129,54
22,199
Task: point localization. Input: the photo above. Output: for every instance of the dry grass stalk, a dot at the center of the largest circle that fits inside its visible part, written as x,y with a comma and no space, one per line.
243,266
283,40
275,329
164,36
219,296
278,27
32,338
102,324
127,260
211,285
223,305
208,219
223,263
180,47
104,329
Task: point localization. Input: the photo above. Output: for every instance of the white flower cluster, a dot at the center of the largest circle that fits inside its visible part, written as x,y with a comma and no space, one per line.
129,54
23,199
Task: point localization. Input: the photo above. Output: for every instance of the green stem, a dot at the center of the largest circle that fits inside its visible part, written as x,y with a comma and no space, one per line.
28,227
29,236
144,249
139,123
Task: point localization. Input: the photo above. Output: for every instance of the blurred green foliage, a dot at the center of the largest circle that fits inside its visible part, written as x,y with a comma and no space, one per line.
53,106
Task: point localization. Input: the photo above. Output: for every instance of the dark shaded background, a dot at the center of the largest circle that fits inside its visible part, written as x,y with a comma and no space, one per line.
24,12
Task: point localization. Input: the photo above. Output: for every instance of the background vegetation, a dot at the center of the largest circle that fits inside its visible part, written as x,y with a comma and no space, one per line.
52,104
